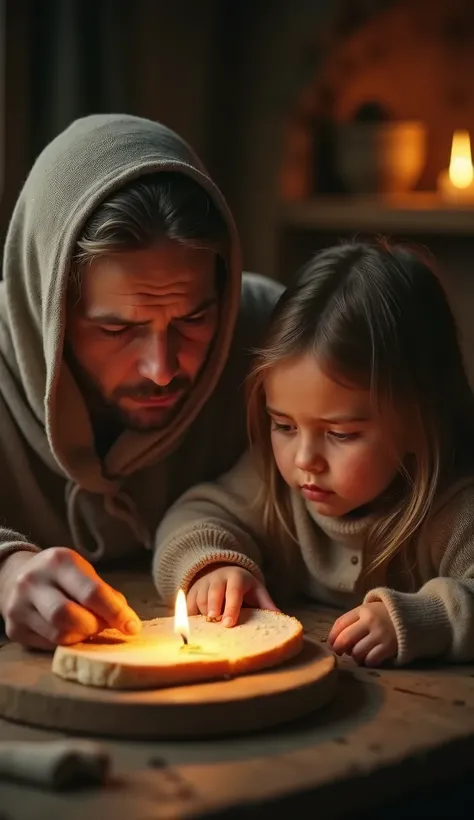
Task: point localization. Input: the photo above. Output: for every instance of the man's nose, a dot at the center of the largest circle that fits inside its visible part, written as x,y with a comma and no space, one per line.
309,458
158,360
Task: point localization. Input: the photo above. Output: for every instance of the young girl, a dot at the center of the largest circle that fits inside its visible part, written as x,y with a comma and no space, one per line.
358,490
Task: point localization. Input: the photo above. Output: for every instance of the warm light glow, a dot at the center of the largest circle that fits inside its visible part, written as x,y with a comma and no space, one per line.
181,622
461,172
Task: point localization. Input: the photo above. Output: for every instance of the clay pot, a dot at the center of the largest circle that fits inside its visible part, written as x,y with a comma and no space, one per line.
382,157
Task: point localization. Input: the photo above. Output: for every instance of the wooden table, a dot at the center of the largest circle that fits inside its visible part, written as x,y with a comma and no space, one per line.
386,732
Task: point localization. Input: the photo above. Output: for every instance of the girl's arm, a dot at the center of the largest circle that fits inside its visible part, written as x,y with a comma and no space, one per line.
214,523
438,619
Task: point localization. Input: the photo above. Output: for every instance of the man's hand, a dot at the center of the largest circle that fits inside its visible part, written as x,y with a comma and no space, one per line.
227,587
56,597
366,633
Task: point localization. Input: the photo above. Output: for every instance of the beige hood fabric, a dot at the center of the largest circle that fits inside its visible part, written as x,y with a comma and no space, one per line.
86,163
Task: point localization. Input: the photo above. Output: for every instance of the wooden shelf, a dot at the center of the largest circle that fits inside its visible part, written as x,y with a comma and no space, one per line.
422,213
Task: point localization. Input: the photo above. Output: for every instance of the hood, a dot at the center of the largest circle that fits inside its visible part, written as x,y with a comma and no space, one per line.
91,159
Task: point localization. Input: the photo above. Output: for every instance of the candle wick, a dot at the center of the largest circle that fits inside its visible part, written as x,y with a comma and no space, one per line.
185,640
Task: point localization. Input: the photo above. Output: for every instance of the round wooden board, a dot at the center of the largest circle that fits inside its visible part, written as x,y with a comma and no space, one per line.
30,693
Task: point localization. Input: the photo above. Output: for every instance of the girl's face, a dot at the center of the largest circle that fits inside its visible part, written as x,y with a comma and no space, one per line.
328,441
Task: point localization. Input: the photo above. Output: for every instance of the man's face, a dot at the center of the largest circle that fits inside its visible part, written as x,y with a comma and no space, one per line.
141,329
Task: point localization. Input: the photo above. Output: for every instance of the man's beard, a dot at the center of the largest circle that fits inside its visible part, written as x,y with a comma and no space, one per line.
147,419
109,417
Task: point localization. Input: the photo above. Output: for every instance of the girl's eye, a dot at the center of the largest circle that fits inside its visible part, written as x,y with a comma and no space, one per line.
282,428
116,331
342,436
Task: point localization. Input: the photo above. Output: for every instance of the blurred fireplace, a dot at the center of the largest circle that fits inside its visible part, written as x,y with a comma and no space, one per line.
410,60
395,60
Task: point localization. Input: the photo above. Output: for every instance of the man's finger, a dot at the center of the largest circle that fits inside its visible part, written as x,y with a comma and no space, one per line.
61,616
233,604
26,637
28,628
98,597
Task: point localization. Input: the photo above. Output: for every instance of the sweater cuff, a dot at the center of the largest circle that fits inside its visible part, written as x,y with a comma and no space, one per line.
11,547
421,623
189,554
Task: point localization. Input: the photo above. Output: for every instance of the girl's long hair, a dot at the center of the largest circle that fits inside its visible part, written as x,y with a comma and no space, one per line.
376,317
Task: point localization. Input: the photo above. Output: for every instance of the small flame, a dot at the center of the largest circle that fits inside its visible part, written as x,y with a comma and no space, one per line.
461,171
181,622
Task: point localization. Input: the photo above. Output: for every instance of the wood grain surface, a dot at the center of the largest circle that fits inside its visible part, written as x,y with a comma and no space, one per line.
30,693
386,733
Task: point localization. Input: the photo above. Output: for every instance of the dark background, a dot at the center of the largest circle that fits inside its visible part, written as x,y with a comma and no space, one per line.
259,88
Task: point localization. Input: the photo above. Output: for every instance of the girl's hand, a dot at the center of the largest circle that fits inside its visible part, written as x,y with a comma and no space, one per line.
366,633
226,587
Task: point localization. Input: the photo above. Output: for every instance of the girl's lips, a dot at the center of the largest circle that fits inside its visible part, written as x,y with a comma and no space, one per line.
314,493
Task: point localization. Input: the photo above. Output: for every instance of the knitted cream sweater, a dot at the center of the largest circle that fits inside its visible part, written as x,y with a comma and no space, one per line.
432,607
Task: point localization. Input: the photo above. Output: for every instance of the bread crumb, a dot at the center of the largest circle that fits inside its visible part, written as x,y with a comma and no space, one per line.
213,620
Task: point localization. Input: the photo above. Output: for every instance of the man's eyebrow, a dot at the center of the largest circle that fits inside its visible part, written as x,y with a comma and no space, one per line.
207,303
112,319
115,319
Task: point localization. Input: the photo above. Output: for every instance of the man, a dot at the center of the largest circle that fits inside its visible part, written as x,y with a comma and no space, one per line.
125,338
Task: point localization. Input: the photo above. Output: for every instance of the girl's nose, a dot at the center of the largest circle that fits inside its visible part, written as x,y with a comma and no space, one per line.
309,459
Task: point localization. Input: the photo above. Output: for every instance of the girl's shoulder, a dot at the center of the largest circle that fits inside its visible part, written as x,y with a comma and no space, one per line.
456,494
450,523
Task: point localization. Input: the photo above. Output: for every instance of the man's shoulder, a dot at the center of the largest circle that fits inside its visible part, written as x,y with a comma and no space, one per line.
259,295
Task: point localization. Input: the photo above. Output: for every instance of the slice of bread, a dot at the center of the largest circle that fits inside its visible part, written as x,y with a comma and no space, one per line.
157,657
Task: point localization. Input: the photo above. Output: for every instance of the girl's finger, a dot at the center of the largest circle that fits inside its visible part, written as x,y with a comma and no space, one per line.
378,655
202,593
191,603
348,638
342,623
259,596
215,598
363,647
233,603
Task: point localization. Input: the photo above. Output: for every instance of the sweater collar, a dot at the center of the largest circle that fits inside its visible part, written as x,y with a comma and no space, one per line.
345,527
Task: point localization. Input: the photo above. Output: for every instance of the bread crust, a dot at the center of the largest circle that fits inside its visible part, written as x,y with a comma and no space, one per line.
260,640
